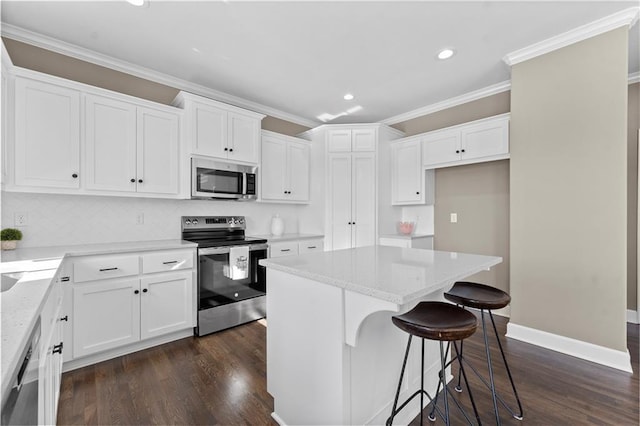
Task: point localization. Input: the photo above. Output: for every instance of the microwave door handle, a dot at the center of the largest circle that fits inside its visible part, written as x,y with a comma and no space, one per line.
244,183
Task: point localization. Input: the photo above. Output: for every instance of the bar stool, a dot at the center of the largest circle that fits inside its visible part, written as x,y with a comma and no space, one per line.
485,298
441,322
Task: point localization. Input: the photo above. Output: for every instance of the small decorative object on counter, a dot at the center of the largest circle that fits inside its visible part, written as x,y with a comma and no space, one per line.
406,228
277,225
10,238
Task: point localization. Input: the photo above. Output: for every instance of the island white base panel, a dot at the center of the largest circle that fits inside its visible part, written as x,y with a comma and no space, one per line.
316,378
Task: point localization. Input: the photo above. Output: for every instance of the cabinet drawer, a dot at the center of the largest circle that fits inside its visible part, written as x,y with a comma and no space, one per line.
102,267
309,246
284,249
167,261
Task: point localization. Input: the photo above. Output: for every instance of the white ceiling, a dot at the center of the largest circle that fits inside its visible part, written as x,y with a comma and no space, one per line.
302,57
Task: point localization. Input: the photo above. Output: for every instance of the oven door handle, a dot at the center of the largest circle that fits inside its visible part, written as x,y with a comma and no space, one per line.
226,249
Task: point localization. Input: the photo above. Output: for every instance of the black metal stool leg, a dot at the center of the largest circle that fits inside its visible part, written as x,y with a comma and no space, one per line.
443,362
466,382
432,416
395,401
493,385
458,388
519,416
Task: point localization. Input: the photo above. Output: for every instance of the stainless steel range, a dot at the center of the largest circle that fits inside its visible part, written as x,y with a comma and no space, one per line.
231,284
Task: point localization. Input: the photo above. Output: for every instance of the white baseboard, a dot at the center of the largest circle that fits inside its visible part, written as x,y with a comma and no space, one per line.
620,360
633,316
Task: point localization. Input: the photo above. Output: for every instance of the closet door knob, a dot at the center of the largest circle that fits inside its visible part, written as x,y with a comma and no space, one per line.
133,181
75,175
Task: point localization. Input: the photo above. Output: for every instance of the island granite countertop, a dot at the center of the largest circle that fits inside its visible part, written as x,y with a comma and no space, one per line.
394,274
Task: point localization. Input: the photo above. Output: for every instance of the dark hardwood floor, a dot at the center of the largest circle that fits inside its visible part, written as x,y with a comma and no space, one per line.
221,379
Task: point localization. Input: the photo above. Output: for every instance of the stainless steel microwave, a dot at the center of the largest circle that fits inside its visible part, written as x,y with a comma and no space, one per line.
216,179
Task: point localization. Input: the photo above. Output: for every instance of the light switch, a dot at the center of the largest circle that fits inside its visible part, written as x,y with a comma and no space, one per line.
454,217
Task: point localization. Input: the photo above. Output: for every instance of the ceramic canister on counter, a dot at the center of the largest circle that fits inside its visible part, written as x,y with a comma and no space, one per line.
277,226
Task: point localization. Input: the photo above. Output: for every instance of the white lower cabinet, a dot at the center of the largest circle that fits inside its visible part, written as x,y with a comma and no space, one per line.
294,247
120,300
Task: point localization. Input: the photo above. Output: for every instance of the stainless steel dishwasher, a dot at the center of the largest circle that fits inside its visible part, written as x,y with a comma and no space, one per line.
20,404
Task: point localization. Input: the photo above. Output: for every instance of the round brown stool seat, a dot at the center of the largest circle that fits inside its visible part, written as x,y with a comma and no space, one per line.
442,322
479,296
437,321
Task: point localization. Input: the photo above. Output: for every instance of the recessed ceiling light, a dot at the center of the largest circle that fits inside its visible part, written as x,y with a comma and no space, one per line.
136,2
445,53
348,97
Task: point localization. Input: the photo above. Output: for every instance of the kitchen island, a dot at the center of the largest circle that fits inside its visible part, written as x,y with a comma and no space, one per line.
333,354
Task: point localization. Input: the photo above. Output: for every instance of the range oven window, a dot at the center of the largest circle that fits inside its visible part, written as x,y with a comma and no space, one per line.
219,181
217,289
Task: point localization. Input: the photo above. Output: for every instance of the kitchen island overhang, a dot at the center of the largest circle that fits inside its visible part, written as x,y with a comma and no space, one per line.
333,355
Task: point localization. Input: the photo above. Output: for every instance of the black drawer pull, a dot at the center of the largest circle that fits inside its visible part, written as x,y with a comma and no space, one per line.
170,262
65,318
107,269
285,249
57,349
136,292
64,279
144,290
311,247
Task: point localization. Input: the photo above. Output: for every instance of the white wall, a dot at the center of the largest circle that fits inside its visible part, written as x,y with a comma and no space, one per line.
78,219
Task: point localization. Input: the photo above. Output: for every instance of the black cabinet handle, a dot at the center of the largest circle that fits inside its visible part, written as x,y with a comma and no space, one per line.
57,349
107,269
65,318
136,292
133,180
230,149
353,223
348,223
417,192
226,149
285,249
145,290
463,150
457,151
311,247
139,180
75,175
170,262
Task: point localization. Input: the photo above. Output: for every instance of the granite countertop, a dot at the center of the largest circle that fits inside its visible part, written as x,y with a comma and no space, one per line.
394,274
21,305
406,237
287,237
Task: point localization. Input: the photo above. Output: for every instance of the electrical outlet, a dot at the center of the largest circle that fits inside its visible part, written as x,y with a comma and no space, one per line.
454,217
20,219
140,219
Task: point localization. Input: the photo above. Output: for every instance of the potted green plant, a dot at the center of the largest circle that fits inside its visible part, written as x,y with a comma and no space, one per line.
9,237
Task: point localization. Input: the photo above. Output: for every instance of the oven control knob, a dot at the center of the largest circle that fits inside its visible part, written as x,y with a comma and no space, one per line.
240,221
194,221
187,222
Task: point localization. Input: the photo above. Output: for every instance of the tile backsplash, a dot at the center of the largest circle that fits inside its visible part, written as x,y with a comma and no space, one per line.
83,219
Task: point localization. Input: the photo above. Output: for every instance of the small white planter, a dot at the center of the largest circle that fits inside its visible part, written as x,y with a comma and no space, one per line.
9,245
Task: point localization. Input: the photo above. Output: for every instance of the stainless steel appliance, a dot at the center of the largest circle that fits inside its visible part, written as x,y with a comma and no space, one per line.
20,403
215,179
231,284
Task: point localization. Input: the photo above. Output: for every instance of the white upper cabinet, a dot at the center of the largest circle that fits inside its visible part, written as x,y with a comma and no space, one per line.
284,168
47,135
72,138
406,172
130,148
477,141
351,140
215,129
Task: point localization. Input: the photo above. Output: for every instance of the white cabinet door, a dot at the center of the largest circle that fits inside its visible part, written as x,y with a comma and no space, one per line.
441,147
244,138
110,144
298,162
406,168
209,128
274,168
339,140
106,315
486,139
157,152
165,303
363,140
363,200
339,188
47,135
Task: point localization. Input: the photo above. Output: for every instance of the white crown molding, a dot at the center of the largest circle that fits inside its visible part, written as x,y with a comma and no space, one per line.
77,52
458,100
634,78
620,360
7,65
625,17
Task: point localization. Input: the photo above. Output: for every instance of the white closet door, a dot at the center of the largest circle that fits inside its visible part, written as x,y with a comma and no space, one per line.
364,200
341,199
